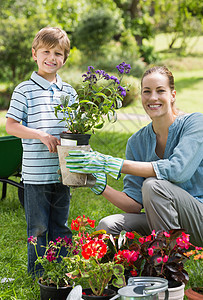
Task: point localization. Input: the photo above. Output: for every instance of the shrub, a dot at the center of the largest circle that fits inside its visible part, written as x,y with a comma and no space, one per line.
96,29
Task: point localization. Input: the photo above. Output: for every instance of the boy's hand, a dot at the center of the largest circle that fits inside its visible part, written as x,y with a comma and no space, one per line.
50,141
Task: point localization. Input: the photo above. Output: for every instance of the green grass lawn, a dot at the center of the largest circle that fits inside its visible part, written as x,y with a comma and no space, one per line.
162,41
13,239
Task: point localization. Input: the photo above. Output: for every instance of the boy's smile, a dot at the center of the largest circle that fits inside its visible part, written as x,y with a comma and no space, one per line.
49,61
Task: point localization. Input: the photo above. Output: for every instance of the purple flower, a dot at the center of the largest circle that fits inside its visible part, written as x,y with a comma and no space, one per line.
90,68
106,76
100,72
90,77
115,79
123,68
122,90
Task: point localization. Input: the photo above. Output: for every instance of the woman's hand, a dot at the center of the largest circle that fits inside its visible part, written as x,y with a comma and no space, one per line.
80,161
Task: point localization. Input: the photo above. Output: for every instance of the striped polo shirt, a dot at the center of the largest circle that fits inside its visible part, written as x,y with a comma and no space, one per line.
33,103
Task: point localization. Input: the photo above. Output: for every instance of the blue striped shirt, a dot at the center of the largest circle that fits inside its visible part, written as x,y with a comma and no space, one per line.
33,103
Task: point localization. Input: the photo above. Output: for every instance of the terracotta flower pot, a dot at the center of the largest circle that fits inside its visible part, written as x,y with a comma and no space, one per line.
194,294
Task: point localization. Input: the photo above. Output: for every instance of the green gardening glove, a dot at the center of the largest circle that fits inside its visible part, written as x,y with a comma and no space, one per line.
80,161
100,183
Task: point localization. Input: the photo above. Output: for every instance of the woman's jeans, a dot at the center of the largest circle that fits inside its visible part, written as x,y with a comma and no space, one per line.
167,206
46,212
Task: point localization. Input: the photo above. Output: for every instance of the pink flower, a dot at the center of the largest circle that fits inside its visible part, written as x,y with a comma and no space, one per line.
126,256
198,248
150,251
59,239
142,240
51,255
67,241
159,260
183,241
148,238
153,233
133,256
166,234
32,240
165,258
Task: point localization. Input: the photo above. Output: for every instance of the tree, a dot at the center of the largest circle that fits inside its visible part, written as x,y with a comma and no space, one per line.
96,28
181,18
138,18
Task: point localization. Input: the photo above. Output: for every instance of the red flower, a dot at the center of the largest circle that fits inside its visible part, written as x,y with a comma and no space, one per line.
75,225
80,222
130,235
133,273
91,222
94,248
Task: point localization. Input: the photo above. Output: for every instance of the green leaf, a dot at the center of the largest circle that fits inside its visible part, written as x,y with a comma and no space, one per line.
118,270
119,282
99,126
88,102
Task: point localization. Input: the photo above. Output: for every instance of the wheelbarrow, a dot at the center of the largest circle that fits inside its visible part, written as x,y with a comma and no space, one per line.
10,163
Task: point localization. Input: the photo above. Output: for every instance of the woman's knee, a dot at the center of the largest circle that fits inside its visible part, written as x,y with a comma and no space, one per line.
148,189
154,189
109,224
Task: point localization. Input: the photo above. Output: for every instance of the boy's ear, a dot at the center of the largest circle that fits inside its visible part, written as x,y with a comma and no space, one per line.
34,55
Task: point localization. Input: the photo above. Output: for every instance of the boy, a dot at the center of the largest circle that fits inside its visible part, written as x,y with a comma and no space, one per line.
46,200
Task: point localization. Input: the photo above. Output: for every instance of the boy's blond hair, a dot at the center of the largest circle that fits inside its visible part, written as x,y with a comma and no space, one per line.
51,37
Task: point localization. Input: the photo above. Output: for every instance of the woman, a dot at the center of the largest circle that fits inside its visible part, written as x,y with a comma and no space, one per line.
164,167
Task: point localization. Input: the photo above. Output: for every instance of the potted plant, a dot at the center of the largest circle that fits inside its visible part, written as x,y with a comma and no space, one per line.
54,284
88,265
195,271
160,254
99,96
